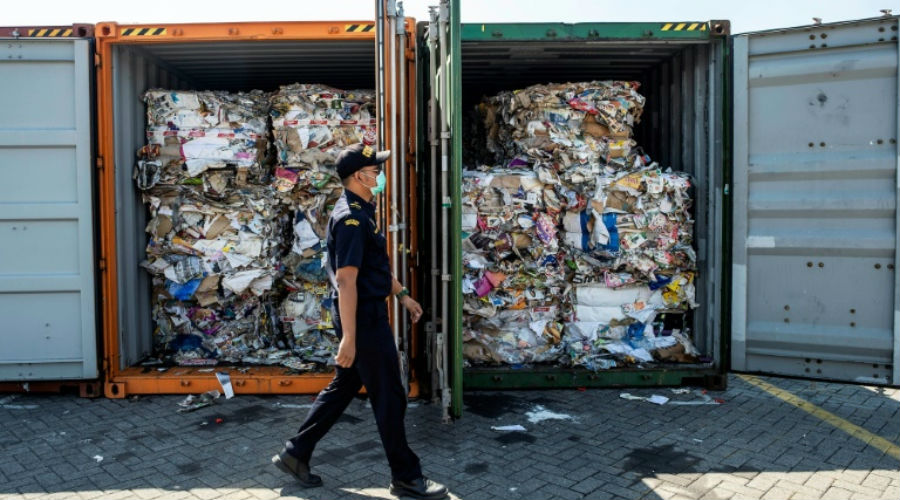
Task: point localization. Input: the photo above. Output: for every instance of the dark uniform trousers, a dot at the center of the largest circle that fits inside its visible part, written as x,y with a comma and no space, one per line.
377,368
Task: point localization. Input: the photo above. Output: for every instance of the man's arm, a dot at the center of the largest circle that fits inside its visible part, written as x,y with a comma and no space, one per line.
349,243
347,300
415,310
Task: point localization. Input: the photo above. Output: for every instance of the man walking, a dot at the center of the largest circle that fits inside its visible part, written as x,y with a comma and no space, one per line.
360,272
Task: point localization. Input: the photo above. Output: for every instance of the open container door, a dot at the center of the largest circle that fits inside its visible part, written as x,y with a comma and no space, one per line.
452,93
815,202
440,82
396,206
47,297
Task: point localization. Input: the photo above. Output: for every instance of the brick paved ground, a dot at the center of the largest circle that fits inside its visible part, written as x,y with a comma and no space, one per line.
753,446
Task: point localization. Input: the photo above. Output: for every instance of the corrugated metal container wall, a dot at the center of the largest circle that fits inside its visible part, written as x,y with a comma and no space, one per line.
232,57
47,264
815,202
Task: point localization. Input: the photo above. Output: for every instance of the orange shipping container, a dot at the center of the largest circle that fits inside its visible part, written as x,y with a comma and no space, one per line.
235,56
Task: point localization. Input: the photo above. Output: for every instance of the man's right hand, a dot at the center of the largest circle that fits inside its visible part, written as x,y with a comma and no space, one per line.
346,353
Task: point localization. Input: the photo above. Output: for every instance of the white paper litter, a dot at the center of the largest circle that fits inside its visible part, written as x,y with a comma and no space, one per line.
508,428
11,397
239,282
225,382
306,237
293,406
704,399
539,414
657,399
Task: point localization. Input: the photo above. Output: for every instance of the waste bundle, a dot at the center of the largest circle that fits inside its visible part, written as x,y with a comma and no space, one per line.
575,244
239,188
213,140
311,124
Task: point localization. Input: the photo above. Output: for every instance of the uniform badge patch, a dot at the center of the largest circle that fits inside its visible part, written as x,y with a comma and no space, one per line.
351,222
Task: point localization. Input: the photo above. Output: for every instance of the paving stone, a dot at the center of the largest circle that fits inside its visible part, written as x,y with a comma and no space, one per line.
753,446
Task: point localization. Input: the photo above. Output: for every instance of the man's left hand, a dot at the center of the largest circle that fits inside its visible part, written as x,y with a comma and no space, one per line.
415,310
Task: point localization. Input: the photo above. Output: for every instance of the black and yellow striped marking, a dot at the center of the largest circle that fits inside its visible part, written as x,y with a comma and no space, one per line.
49,32
143,31
684,27
358,28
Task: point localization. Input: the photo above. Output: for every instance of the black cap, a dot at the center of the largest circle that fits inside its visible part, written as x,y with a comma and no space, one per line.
357,156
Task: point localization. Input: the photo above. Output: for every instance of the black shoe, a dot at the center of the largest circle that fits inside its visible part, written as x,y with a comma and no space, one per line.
297,468
419,488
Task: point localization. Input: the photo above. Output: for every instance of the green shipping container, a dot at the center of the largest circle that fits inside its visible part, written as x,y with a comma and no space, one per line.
680,66
789,136
739,114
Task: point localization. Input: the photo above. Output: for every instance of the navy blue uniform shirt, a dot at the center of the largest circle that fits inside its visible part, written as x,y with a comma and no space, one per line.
354,240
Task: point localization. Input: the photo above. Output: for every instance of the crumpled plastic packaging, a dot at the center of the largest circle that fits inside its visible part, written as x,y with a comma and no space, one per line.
569,217
308,325
236,227
193,403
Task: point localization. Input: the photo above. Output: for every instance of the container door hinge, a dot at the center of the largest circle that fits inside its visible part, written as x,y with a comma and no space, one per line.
99,163
96,60
101,264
